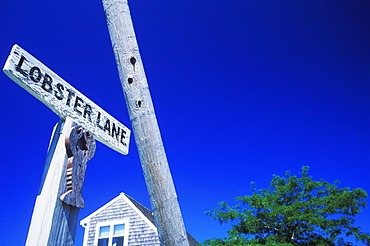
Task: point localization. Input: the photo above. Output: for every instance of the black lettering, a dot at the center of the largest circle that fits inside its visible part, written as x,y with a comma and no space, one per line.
78,104
98,121
32,74
19,65
46,83
107,126
87,111
59,94
70,95
115,131
123,137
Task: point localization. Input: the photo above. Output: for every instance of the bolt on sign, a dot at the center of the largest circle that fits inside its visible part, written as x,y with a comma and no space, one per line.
64,100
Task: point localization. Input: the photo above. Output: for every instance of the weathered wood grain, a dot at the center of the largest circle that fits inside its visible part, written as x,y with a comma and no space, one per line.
80,147
153,159
65,100
54,223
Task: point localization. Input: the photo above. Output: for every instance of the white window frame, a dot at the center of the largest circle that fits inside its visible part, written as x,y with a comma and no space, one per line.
112,224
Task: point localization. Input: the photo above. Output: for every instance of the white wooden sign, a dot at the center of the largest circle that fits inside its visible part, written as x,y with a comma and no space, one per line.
65,100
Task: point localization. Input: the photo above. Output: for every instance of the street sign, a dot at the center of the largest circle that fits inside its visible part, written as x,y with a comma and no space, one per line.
65,100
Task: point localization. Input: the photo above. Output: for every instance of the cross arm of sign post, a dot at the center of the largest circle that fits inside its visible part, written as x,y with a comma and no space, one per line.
65,100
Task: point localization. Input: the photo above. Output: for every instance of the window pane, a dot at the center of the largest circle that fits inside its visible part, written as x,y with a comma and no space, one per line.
118,230
104,231
117,241
103,242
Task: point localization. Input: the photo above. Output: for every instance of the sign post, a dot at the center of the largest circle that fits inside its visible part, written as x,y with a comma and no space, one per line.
55,214
54,223
163,198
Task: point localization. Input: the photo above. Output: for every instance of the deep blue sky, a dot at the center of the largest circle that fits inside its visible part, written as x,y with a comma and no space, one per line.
242,90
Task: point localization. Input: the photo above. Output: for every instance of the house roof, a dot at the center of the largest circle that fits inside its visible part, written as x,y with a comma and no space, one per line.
145,212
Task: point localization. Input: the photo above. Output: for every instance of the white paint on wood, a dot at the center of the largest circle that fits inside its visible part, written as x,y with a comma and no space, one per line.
153,159
65,100
111,223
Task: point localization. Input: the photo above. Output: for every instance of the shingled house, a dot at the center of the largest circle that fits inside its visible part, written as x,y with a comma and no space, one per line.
122,222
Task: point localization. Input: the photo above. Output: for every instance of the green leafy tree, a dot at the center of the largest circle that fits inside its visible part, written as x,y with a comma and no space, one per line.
294,210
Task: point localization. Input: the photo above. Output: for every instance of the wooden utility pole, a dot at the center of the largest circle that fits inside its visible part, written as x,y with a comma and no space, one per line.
153,159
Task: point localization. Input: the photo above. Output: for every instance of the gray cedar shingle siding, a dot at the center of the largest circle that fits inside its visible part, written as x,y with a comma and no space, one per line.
141,227
140,233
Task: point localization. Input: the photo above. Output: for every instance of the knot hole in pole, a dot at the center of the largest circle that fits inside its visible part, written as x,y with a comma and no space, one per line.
133,61
139,103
